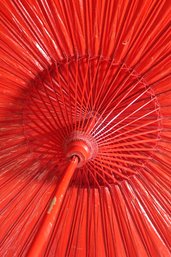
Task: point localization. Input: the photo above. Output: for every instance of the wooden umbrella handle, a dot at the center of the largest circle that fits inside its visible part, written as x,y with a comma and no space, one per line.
48,223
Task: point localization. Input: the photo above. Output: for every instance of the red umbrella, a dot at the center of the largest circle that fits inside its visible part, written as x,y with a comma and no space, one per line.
85,128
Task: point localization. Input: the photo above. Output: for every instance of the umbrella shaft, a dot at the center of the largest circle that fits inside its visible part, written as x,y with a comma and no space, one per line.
49,220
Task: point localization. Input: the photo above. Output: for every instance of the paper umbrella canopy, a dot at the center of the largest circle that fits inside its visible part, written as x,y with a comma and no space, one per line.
85,128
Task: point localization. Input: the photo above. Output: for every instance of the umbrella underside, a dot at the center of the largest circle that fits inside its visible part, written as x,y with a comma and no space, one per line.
88,80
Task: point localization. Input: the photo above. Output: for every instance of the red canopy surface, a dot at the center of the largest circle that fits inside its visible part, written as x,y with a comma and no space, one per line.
90,80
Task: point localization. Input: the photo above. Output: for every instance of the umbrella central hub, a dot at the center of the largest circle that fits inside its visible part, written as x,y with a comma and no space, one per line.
81,145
